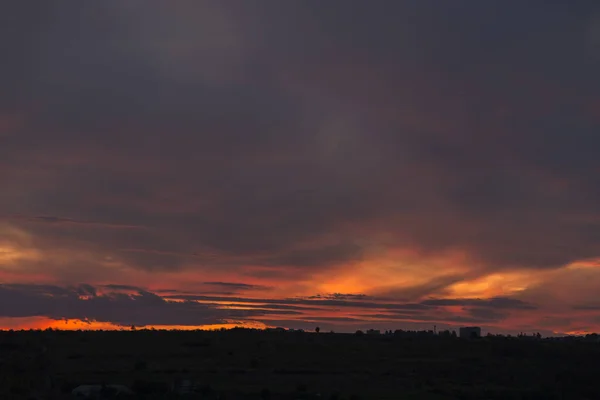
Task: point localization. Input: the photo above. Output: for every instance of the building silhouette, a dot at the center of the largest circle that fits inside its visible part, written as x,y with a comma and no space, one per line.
470,332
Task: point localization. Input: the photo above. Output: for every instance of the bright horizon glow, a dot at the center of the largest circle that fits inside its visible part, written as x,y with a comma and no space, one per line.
40,323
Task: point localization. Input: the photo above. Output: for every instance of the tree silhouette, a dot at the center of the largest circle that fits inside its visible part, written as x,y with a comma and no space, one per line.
317,329
265,394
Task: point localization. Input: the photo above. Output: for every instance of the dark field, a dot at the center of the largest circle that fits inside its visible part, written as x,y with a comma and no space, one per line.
245,364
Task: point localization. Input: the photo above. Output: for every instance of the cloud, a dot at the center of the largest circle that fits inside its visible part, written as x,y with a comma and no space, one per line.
69,221
402,150
140,308
129,305
339,296
121,287
124,305
433,286
485,314
237,286
497,302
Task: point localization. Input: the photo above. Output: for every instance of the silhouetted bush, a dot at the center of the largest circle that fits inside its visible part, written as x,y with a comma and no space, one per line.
265,394
302,388
205,390
151,387
140,365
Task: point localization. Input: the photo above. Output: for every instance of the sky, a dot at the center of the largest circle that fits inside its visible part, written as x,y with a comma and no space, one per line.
345,164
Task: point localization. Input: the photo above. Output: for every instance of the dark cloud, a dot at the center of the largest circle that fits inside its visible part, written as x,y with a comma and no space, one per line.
485,314
68,221
88,290
301,138
122,287
141,307
333,319
586,307
237,286
322,256
251,166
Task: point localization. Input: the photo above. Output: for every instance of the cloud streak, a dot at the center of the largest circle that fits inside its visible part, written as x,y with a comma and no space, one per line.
68,221
123,305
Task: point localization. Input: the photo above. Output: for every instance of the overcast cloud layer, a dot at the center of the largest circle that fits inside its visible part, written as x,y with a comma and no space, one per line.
408,151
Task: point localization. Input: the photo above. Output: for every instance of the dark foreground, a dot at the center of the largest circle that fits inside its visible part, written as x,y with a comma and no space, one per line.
245,364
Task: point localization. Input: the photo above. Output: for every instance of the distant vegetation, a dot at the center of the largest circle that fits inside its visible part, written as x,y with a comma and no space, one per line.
253,364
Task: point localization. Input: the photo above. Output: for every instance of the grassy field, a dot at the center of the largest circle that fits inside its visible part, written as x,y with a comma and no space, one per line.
258,364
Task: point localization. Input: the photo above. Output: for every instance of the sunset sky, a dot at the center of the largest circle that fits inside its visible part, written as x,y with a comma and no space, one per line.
348,164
